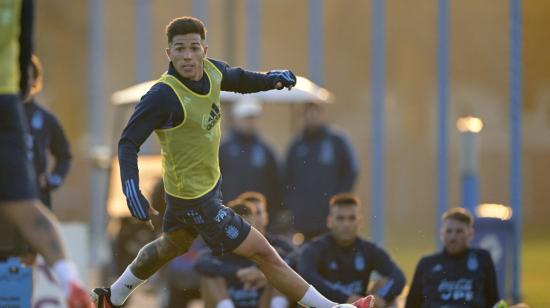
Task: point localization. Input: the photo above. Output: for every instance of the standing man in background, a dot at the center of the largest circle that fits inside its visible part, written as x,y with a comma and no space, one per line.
320,163
340,263
247,162
48,136
18,193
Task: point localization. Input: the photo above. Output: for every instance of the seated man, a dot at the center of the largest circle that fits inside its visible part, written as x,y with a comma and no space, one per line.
458,276
339,264
234,281
285,248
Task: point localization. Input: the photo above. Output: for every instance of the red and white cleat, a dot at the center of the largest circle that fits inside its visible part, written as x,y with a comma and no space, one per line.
365,302
78,298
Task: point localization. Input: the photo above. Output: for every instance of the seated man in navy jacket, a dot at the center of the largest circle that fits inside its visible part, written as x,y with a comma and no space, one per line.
458,276
339,264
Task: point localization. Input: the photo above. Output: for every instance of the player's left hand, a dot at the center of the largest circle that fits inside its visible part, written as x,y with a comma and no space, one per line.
282,79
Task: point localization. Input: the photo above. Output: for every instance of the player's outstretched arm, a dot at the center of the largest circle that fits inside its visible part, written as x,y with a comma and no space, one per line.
236,79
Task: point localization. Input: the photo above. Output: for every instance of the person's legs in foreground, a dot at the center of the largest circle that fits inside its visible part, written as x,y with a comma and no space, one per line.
149,260
19,205
281,276
39,227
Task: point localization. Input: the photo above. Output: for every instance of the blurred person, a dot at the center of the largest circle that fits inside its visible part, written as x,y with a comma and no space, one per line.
247,163
18,192
339,263
47,136
234,281
183,109
458,276
319,164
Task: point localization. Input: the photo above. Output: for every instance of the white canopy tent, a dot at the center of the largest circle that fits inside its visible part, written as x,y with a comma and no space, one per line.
304,91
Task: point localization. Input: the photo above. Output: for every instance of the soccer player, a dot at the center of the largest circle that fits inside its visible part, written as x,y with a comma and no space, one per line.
339,263
18,202
183,109
234,281
48,136
458,276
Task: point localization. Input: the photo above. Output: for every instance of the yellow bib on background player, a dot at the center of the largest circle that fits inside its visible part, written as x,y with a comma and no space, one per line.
190,150
10,11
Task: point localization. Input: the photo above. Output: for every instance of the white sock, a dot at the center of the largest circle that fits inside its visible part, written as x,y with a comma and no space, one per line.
225,303
124,286
278,302
65,272
313,298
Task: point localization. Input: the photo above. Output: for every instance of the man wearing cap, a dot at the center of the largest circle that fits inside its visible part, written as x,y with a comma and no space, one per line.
247,162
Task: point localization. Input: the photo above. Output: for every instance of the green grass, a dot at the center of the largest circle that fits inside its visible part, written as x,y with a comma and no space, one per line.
536,268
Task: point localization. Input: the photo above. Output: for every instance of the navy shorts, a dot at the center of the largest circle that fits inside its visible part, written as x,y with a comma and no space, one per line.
17,178
219,226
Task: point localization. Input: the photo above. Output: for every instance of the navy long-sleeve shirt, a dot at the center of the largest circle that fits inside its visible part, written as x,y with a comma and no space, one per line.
339,272
48,137
247,163
161,108
319,164
464,280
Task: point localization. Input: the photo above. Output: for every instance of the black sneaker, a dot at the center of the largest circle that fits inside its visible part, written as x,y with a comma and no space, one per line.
102,298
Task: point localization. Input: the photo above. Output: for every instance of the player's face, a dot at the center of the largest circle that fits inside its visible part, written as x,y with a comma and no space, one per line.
187,52
456,236
343,223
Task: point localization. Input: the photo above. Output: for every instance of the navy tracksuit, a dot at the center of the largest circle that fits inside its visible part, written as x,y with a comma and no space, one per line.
319,164
247,163
455,281
48,137
339,272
